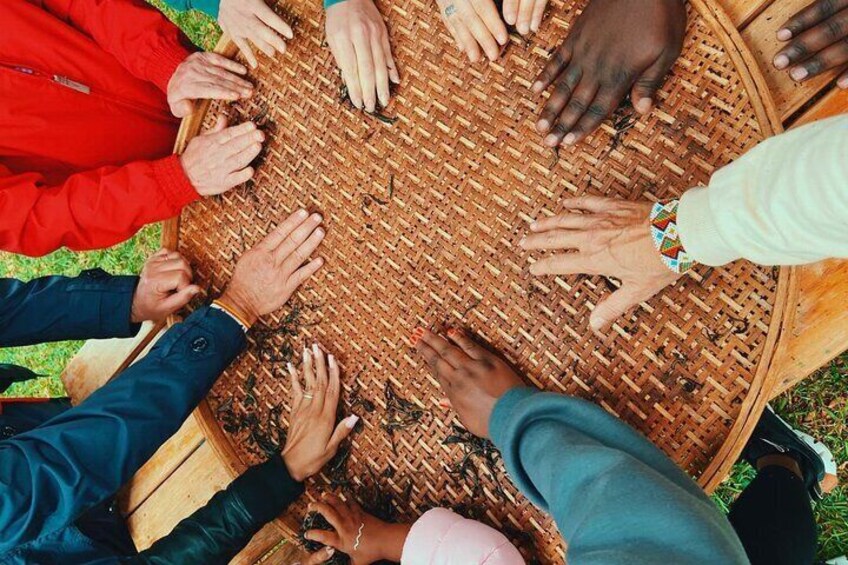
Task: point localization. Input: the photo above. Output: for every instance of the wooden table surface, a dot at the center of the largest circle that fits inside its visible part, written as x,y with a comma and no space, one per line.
185,472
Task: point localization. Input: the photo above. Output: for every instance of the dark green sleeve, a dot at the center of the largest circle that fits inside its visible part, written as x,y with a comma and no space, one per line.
218,531
209,7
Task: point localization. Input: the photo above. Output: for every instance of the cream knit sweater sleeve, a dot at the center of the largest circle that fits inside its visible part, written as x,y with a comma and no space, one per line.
783,203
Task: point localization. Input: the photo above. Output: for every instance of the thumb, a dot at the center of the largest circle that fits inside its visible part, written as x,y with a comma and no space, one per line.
220,124
182,108
645,89
180,298
343,429
320,556
622,300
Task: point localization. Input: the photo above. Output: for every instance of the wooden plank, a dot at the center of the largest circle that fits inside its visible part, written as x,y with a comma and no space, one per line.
832,104
161,466
819,330
286,554
741,12
761,37
97,361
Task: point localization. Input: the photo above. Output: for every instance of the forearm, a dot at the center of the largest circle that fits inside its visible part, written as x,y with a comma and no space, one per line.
94,305
616,498
52,474
90,210
783,203
225,525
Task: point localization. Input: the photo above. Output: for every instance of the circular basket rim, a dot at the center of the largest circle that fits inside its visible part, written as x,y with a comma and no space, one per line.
786,294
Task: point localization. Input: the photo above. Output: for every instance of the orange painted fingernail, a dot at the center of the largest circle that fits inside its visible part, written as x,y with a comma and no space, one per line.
417,334
453,331
445,403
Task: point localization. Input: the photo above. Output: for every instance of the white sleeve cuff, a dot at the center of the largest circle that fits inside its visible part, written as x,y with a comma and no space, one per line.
699,233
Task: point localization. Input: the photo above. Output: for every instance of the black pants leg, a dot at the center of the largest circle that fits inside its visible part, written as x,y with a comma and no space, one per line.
774,519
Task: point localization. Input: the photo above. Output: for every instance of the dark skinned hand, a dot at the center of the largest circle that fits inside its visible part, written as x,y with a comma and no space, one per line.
615,47
472,377
818,41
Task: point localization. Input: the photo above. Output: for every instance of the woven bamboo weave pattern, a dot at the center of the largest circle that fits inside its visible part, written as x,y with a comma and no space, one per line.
424,216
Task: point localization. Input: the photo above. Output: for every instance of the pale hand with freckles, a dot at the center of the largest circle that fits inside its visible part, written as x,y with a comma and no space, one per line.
268,275
603,236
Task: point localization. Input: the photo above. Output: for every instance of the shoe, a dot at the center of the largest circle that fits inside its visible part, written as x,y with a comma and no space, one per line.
773,435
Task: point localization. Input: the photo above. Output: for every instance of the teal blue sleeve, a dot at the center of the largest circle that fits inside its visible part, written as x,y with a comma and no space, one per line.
615,497
208,7
328,3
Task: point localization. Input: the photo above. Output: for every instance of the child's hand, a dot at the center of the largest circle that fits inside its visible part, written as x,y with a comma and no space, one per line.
363,537
359,41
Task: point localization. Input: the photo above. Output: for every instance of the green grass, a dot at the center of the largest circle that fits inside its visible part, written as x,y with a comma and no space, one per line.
820,405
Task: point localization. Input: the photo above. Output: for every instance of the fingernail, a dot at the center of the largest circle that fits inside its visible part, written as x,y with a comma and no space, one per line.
543,125
784,34
537,86
195,291
317,218
570,139
643,105
781,62
320,232
799,73
332,360
843,82
453,331
534,226
551,140
330,551
522,242
302,213
417,334
445,403
315,350
290,367
351,421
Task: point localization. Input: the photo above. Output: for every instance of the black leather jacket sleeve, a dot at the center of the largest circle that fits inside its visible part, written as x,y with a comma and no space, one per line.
218,531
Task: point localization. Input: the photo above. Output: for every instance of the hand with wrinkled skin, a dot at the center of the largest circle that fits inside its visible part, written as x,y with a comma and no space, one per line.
472,377
218,160
603,236
164,287
253,21
607,55
818,41
267,275
359,41
525,15
206,76
475,25
314,437
378,540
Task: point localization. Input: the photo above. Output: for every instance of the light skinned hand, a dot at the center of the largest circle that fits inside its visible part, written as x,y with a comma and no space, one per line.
603,236
254,22
267,275
378,540
218,160
206,76
615,47
314,437
476,26
164,287
359,41
818,41
525,15
472,377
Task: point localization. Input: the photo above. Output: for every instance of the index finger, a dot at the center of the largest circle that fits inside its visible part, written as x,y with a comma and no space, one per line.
274,21
439,368
282,231
565,264
226,135
228,64
488,13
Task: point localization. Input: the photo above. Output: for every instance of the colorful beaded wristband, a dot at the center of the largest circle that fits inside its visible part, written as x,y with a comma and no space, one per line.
667,238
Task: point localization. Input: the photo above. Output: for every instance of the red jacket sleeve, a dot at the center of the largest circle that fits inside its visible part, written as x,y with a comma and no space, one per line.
145,42
90,210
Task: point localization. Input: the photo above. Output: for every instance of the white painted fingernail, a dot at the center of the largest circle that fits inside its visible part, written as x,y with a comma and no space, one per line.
315,350
351,421
332,359
290,367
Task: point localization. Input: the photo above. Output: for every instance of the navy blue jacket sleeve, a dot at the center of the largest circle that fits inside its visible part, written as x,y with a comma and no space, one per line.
615,497
92,306
52,474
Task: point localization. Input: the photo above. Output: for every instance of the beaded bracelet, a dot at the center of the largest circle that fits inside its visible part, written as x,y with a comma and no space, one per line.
666,237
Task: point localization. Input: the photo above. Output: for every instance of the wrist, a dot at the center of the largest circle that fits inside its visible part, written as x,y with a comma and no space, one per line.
294,470
391,540
239,307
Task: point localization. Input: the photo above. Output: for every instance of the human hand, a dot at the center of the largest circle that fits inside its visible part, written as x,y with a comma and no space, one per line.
363,537
218,160
314,437
472,377
525,15
474,25
611,238
164,287
206,76
606,55
359,42
819,41
253,21
266,276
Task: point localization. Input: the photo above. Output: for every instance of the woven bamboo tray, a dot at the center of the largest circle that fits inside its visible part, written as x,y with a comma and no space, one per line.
423,218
